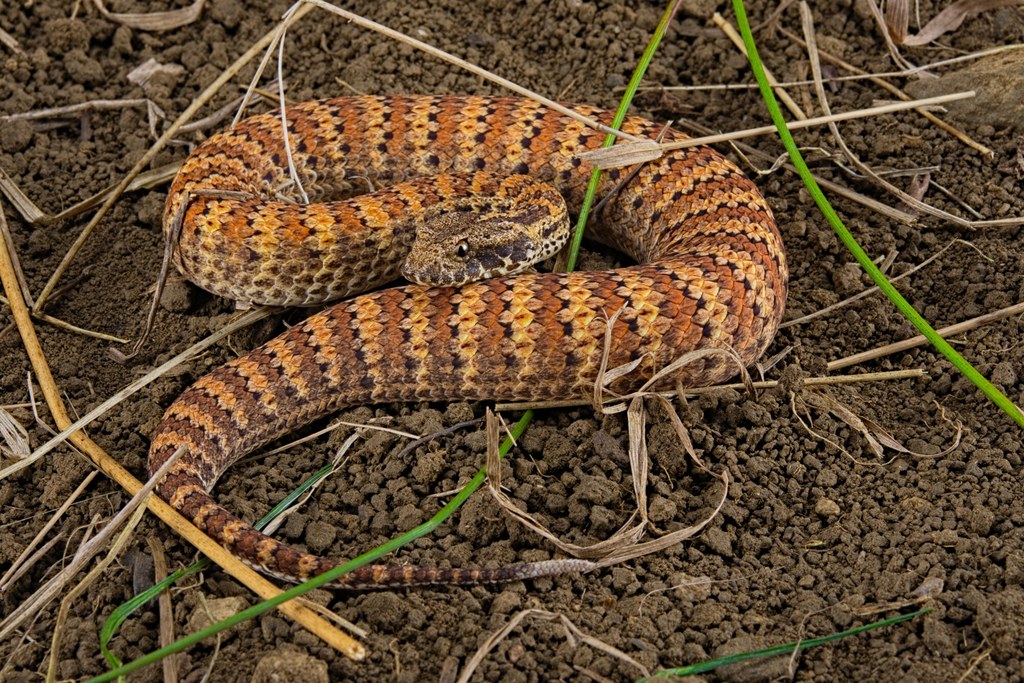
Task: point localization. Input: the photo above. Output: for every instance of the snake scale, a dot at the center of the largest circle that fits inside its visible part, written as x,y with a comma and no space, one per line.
711,273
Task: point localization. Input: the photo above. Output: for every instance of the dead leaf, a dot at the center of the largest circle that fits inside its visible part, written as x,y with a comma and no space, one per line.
954,15
897,19
155,21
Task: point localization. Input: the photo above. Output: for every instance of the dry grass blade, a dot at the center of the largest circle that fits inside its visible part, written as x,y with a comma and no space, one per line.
855,75
155,373
56,112
48,591
624,154
877,438
29,561
625,543
28,210
572,633
166,610
894,52
897,19
628,153
259,585
33,215
15,437
919,340
115,550
12,254
950,18
416,443
11,43
890,375
144,181
63,324
968,673
155,21
335,425
23,563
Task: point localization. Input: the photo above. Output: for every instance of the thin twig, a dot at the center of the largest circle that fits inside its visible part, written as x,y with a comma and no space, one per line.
952,130
57,322
15,568
597,156
841,190
5,234
10,41
871,290
48,591
859,76
91,105
170,663
906,198
912,373
919,340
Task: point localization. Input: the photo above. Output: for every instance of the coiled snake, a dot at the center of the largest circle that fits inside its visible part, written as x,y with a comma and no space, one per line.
711,273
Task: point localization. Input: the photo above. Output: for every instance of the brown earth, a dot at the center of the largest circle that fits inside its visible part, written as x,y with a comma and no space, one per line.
810,533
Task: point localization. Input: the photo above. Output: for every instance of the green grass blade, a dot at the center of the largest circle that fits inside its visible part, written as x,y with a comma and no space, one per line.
863,259
620,115
711,664
126,609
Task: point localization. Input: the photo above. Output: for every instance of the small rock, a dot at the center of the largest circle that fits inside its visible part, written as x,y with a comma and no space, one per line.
320,536
214,610
63,35
177,296
1014,567
718,541
847,279
998,83
15,136
83,69
283,665
826,507
123,40
1001,622
661,510
228,13
383,611
981,520
1004,374
506,602
946,538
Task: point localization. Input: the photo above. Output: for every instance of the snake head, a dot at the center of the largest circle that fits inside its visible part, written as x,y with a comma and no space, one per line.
460,246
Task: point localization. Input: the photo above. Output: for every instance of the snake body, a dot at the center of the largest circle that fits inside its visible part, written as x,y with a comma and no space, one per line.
711,273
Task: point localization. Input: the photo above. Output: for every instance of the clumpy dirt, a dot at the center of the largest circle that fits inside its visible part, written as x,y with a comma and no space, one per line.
817,534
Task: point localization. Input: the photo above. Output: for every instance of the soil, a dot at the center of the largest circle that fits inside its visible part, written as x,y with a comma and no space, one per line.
818,533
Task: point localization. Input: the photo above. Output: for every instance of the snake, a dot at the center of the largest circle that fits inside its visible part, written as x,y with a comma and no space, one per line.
263,213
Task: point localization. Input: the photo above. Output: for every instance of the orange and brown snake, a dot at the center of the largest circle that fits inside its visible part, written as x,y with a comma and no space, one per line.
711,273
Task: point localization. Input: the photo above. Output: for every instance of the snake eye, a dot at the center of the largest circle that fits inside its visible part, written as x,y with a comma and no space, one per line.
462,249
